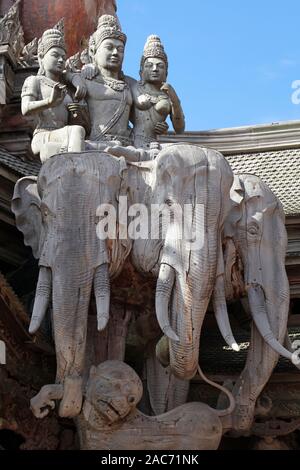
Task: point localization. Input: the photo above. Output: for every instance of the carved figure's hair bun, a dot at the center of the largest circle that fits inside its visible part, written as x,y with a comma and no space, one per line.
154,49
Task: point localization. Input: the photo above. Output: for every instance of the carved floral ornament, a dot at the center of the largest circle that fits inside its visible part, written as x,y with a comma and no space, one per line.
11,30
12,34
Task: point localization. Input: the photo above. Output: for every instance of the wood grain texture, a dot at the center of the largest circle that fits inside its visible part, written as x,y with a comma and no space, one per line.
111,421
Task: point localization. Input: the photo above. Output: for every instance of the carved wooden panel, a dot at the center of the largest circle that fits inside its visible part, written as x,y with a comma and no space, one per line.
37,16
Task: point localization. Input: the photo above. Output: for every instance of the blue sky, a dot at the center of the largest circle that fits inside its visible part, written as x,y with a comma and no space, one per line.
232,63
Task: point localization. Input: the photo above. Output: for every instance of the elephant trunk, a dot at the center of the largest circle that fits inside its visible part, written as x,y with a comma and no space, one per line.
191,295
42,299
184,346
258,309
194,271
102,295
188,317
71,299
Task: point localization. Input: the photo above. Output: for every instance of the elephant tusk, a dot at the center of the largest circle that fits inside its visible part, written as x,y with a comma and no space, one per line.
164,289
259,314
42,299
221,314
102,295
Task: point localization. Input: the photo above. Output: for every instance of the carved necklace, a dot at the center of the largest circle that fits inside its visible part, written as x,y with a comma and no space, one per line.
113,83
116,85
153,98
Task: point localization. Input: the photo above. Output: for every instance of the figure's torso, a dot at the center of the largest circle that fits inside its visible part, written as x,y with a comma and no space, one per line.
145,120
109,108
54,117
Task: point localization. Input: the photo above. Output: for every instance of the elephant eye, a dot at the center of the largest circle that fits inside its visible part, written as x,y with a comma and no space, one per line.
131,399
253,229
169,202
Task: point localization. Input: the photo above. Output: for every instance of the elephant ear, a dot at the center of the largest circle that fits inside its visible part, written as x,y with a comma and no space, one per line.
26,205
234,285
236,207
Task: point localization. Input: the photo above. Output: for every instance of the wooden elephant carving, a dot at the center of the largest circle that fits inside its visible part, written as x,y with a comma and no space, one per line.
58,215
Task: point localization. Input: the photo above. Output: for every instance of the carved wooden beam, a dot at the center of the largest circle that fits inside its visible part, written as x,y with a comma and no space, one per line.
13,313
236,140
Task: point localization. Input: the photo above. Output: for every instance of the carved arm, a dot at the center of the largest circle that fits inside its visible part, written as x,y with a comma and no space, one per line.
77,80
177,116
31,106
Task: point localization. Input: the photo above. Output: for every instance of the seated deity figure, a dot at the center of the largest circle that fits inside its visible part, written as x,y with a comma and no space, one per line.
154,99
60,121
108,95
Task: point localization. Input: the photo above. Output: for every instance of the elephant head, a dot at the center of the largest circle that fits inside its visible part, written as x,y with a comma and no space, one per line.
58,216
255,243
198,182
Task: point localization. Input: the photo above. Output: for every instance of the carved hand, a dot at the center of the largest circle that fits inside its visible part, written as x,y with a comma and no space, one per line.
81,89
167,88
89,71
161,128
177,116
57,95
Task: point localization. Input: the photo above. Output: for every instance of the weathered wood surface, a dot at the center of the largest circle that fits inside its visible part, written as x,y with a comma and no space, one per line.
59,221
110,420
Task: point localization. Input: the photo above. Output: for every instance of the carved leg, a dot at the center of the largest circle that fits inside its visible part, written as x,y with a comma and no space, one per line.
71,403
76,136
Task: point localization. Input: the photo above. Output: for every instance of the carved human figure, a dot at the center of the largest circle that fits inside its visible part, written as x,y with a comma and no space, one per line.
154,99
108,96
59,129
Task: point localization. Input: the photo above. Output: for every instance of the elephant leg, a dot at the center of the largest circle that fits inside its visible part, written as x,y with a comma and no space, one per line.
166,391
71,403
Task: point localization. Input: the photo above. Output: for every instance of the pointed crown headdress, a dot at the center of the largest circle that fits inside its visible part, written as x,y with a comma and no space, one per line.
154,49
51,38
108,28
